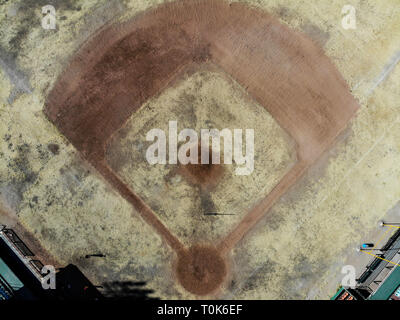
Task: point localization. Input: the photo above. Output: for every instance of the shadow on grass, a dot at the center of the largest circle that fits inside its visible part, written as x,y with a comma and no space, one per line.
127,290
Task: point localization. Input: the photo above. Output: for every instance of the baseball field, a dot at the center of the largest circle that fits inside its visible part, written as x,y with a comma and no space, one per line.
76,109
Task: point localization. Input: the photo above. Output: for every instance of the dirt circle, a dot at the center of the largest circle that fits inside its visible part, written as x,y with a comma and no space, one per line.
206,176
201,269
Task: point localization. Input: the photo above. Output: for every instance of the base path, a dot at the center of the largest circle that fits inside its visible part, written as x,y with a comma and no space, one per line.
259,211
124,65
147,214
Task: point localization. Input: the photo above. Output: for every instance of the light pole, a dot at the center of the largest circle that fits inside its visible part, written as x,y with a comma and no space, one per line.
384,224
99,255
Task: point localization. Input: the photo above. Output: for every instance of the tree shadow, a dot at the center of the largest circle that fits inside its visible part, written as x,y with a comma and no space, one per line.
127,290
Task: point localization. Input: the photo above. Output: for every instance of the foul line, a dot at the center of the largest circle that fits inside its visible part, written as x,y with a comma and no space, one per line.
361,159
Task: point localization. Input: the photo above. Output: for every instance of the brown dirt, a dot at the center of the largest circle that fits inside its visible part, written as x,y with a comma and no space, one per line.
206,176
201,269
124,65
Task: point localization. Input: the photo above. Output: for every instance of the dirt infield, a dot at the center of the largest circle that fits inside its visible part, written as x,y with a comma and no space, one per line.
123,66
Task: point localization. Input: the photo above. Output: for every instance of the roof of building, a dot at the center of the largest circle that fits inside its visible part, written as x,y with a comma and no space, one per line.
388,287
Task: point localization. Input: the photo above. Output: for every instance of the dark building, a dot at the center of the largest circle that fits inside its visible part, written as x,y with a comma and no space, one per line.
381,277
21,275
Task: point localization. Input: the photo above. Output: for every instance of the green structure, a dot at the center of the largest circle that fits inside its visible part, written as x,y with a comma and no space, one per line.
388,287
